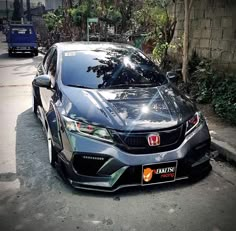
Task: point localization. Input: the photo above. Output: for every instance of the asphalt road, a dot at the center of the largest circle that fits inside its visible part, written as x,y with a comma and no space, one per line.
33,197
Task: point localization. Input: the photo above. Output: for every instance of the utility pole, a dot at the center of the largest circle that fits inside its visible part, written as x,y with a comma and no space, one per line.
7,9
22,11
28,10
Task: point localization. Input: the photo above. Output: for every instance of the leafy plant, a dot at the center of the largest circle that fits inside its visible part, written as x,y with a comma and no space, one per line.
53,19
114,16
211,86
154,17
159,51
224,98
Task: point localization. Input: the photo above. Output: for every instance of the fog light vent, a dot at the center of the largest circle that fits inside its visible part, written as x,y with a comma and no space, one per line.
88,164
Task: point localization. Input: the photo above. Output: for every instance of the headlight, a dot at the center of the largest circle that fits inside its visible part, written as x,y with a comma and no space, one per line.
194,122
87,129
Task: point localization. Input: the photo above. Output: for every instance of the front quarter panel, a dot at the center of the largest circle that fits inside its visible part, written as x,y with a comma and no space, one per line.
53,120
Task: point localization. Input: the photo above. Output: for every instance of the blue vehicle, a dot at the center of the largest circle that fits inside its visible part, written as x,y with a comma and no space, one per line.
22,38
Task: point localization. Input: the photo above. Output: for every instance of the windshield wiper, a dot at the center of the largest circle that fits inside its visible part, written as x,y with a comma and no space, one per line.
134,85
79,86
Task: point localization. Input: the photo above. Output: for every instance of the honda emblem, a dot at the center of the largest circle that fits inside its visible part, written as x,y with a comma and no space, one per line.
154,140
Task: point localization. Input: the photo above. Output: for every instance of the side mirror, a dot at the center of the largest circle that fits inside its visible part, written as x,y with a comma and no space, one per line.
172,76
42,81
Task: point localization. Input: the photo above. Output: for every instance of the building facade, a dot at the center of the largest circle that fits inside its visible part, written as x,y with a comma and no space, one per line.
9,5
3,8
52,4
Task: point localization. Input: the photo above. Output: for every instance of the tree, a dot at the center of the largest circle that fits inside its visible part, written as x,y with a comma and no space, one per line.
67,3
187,11
53,19
125,7
79,14
17,11
154,19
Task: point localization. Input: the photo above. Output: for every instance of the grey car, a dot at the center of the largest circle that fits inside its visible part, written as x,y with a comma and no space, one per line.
113,120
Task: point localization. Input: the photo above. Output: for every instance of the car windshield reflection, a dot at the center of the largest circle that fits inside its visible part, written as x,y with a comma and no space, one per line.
110,68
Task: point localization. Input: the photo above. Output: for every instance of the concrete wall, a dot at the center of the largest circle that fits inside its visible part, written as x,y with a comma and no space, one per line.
213,30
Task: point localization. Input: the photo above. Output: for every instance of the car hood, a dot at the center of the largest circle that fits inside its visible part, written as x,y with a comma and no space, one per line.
129,109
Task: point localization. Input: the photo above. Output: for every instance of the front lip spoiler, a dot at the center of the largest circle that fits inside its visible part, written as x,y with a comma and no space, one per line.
201,163
79,185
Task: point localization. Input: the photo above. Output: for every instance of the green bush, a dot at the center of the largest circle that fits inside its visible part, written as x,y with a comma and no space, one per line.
213,87
224,98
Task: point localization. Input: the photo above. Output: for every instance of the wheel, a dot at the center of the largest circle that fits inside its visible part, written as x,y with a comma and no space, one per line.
36,53
34,105
52,154
10,53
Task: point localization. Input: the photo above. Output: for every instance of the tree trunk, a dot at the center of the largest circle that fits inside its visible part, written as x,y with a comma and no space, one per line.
187,10
67,24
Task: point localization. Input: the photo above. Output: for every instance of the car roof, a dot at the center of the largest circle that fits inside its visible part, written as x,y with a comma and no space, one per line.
21,25
89,46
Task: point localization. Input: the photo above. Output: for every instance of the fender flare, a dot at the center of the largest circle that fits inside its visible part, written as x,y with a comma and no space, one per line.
53,123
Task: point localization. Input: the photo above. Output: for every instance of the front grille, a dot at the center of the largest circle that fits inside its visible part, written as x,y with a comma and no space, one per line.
136,142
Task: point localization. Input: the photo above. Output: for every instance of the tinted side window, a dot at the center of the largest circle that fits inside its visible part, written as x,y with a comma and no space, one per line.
47,59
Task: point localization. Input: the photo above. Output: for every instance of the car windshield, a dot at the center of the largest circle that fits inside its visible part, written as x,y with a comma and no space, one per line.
110,68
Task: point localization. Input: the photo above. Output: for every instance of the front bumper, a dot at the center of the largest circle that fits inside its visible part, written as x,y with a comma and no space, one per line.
23,47
91,164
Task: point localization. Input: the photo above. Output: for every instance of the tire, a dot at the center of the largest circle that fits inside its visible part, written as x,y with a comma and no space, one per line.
34,105
52,154
10,53
36,53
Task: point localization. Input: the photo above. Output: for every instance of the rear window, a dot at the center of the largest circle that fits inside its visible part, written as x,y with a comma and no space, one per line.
21,30
111,68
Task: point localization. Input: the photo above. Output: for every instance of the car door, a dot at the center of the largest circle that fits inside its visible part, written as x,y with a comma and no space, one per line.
50,68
